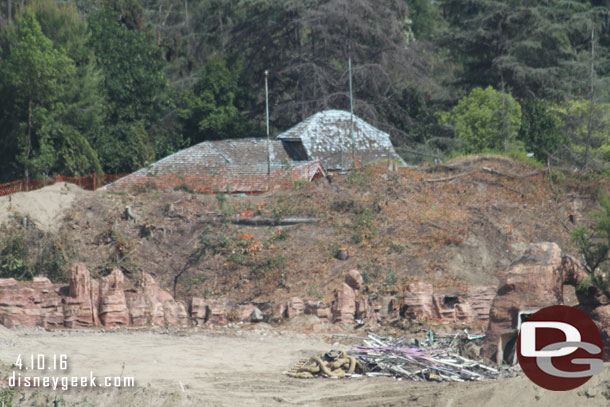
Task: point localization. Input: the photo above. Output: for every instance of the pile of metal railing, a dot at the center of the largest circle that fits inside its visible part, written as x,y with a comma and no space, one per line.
435,359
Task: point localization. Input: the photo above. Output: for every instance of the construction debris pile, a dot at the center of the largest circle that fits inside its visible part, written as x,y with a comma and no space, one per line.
438,358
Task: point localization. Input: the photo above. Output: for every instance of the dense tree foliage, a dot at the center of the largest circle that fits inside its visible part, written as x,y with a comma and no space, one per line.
540,129
37,96
486,120
594,246
135,87
530,48
210,111
110,86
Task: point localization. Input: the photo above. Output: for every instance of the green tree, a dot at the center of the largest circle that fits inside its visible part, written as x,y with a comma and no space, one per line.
594,246
584,125
136,89
210,110
71,107
35,76
485,120
541,129
531,48
81,115
305,46
426,17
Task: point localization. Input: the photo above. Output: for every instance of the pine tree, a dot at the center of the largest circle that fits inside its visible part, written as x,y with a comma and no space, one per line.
34,81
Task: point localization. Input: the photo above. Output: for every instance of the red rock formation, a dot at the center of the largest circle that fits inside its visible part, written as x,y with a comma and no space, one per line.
151,305
344,306
29,306
198,310
601,317
244,311
536,280
52,314
533,281
113,306
295,307
175,313
81,305
479,300
419,301
89,303
219,311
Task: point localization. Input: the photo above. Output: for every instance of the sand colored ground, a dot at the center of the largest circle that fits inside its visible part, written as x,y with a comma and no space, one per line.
44,206
245,369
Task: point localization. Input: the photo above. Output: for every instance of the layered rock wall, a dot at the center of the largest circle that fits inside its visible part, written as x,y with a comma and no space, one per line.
88,303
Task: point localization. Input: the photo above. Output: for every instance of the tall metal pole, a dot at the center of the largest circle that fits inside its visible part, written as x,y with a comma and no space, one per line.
591,102
267,114
351,109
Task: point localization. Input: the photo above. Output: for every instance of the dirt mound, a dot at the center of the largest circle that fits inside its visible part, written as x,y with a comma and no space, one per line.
44,207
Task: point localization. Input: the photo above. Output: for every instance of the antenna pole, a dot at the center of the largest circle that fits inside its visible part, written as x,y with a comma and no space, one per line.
267,119
351,108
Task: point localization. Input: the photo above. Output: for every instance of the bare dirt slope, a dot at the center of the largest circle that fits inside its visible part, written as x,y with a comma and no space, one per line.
246,370
455,225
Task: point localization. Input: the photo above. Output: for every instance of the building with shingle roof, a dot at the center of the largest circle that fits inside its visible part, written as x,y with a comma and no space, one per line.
238,165
236,158
327,136
323,141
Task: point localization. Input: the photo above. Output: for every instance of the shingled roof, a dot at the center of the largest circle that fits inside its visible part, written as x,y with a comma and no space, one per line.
238,158
326,136
229,165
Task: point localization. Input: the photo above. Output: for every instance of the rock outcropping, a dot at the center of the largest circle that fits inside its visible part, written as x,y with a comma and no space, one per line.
423,301
107,302
343,308
88,302
533,281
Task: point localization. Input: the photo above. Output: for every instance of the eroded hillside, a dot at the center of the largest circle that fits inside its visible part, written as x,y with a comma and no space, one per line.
454,225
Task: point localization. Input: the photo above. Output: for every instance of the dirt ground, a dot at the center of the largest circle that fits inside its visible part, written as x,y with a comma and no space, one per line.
245,368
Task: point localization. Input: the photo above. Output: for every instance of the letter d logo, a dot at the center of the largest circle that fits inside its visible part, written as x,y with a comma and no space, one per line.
559,348
528,338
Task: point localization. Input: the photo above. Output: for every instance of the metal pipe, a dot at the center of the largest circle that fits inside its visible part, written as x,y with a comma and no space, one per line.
351,110
267,119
